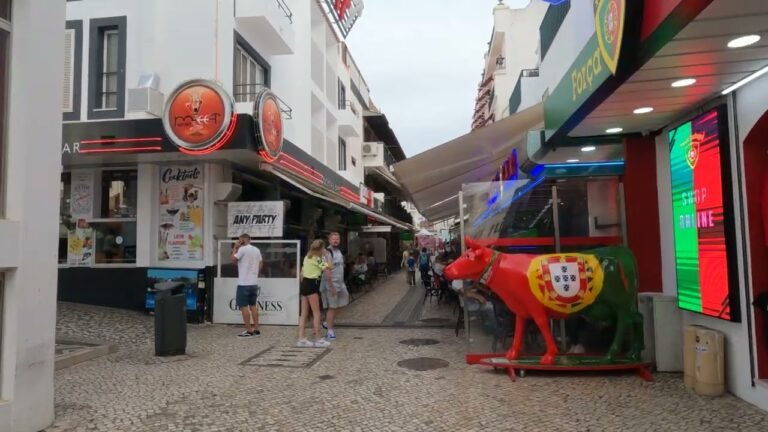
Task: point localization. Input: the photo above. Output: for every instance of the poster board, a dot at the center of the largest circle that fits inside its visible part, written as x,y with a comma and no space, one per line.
257,219
181,213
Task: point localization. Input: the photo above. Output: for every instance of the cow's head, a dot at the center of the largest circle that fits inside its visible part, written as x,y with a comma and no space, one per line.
471,264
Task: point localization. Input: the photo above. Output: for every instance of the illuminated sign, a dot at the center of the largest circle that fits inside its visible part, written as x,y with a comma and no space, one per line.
703,216
268,125
345,13
199,117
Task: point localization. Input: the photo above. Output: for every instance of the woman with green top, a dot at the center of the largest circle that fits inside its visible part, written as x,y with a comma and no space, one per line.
311,274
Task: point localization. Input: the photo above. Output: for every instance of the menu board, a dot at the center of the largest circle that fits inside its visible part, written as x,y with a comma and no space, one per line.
703,217
81,195
181,213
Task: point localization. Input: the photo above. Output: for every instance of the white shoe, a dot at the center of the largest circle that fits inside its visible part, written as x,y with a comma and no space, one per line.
305,343
577,349
322,343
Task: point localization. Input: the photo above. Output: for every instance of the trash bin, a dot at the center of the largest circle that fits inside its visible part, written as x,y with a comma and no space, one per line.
710,363
170,319
689,356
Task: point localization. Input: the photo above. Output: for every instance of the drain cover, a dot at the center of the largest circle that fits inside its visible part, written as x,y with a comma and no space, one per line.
422,364
419,342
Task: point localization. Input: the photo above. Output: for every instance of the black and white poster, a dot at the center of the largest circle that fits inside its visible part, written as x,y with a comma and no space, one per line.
257,219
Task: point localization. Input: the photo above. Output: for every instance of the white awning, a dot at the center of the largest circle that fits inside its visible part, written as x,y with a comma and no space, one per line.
434,178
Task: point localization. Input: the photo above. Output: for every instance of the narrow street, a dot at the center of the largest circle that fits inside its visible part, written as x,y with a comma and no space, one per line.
263,384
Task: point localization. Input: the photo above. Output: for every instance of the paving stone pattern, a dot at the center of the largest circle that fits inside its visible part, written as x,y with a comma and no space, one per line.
356,386
287,357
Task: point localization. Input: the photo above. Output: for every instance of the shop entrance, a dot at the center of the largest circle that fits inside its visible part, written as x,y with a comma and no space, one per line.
756,181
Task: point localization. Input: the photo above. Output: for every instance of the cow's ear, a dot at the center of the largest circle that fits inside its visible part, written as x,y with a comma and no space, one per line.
471,244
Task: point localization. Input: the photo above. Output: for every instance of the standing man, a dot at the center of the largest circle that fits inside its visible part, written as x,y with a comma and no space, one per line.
335,294
249,263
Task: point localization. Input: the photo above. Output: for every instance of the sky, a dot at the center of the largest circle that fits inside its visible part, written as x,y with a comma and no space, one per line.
422,60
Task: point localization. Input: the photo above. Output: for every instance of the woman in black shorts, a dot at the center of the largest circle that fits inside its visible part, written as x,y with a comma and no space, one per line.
311,274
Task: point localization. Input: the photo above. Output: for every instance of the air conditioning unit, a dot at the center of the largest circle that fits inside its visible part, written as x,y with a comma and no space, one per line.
372,148
145,100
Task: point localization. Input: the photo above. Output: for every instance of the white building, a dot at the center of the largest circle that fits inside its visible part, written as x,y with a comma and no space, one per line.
32,52
126,61
513,56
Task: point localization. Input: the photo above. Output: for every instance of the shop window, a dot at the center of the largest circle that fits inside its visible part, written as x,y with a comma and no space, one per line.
342,154
65,216
107,68
251,71
115,242
118,194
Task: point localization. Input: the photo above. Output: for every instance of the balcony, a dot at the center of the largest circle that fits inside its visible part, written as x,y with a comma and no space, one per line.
350,120
268,21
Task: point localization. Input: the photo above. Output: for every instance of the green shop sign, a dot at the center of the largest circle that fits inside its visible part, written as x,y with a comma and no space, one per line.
595,63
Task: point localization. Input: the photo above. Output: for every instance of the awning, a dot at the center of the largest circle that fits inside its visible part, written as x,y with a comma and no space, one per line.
434,177
316,192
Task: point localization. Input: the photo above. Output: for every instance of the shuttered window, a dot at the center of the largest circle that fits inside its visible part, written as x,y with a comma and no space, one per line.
69,70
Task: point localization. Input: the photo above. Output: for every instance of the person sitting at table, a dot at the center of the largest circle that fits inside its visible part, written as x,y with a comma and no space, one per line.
360,268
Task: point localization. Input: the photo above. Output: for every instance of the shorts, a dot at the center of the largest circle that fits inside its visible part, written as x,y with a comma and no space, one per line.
246,295
309,287
337,300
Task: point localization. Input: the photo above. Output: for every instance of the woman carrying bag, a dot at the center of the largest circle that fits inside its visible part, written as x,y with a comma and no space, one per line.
311,273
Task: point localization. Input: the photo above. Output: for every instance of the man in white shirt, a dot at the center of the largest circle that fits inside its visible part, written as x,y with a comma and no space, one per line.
249,263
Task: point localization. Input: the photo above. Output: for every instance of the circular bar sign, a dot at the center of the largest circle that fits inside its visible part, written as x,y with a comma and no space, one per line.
198,116
268,124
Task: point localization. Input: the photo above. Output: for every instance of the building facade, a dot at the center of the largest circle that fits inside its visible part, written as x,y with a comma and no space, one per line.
31,55
175,109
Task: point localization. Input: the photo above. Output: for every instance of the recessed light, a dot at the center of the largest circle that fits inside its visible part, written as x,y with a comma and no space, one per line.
643,110
743,41
614,130
684,82
572,160
588,148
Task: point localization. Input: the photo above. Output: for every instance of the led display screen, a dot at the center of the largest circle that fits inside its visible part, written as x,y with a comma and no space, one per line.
703,216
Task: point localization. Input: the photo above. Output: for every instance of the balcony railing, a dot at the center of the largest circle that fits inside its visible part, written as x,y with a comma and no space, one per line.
285,9
248,93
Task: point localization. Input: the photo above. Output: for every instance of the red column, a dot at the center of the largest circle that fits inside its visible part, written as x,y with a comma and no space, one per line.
642,209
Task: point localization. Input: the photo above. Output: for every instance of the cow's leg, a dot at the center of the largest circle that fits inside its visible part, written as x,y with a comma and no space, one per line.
636,345
622,321
517,342
543,324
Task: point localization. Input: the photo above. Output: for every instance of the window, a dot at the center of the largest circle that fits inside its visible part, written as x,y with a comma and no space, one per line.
342,96
5,33
73,60
112,228
251,71
342,154
107,68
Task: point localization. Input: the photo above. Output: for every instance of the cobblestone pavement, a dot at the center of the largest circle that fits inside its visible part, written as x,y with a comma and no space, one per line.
355,386
374,306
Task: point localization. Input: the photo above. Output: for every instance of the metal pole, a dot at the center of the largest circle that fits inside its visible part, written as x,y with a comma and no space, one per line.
556,222
623,215
461,220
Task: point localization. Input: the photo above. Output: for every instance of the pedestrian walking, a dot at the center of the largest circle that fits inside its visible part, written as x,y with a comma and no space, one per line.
249,264
425,262
311,274
411,263
333,289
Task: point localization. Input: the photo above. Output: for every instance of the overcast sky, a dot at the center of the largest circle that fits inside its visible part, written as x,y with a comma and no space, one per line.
422,60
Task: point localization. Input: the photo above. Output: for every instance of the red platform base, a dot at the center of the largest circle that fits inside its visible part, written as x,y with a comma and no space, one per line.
566,363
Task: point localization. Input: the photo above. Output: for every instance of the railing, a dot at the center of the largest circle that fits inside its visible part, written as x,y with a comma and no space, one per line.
551,23
285,9
248,92
351,105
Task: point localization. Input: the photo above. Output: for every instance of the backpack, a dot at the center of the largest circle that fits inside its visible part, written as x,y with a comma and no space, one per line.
424,261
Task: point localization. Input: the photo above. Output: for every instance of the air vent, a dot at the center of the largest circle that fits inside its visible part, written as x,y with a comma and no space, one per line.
146,100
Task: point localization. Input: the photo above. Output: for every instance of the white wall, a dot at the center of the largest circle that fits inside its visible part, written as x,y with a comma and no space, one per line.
750,104
33,166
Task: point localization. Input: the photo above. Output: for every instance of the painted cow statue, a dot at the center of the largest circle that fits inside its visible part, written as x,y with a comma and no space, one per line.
600,284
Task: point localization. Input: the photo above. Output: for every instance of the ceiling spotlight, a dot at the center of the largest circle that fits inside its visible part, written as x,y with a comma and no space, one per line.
684,82
614,130
588,148
743,41
572,160
643,110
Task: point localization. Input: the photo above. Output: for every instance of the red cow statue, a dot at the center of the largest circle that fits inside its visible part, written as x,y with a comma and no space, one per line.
600,284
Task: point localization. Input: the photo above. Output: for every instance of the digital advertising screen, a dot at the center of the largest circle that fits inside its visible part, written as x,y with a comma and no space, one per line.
703,216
